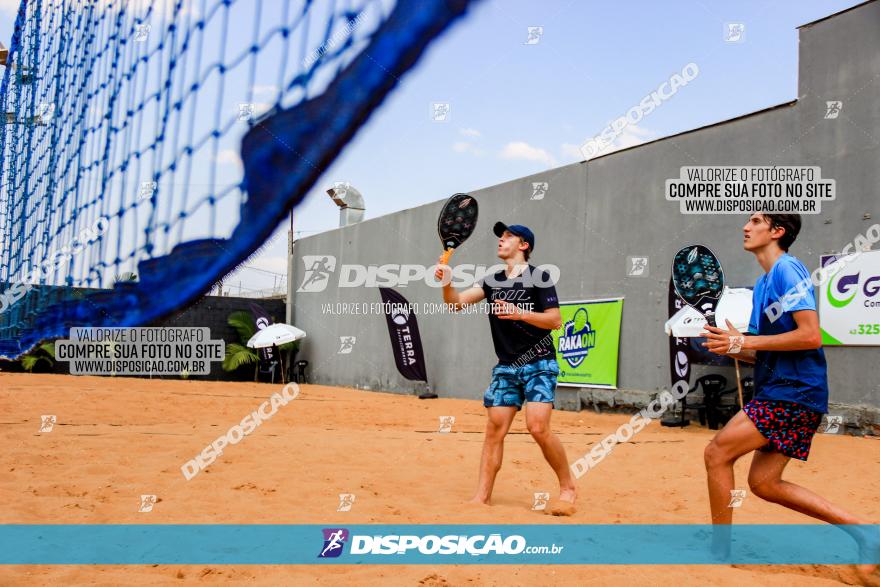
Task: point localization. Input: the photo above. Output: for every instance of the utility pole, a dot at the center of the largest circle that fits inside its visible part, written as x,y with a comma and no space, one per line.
289,313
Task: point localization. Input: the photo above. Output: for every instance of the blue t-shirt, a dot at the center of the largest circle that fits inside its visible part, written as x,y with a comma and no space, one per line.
794,376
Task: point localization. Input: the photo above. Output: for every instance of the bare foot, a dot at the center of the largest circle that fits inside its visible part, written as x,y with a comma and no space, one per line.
569,495
869,548
561,508
477,501
868,578
564,505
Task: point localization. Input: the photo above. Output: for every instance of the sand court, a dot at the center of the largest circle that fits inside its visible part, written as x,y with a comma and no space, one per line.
116,439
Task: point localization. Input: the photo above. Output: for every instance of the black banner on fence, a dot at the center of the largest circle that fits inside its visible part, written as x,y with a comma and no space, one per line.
679,348
262,320
406,344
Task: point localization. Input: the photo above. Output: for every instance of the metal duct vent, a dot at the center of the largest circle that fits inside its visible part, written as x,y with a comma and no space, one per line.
350,202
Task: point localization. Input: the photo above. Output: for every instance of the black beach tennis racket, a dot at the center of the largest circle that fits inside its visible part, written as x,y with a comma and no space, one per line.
699,281
457,221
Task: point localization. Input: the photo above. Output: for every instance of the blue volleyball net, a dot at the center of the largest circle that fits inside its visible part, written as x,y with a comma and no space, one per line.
149,146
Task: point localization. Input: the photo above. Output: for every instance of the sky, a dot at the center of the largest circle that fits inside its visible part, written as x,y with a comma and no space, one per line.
518,108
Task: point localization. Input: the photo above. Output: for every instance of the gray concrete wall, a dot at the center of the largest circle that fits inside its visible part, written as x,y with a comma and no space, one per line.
598,213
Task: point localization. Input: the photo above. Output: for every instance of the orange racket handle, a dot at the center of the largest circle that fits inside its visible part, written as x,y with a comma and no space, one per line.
444,258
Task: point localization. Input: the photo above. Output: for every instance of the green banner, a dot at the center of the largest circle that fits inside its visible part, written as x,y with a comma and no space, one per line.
588,342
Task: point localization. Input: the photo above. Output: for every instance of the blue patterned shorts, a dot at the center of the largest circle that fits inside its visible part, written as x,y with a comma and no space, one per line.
511,385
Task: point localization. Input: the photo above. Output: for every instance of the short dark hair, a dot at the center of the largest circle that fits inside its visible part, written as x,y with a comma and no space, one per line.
790,222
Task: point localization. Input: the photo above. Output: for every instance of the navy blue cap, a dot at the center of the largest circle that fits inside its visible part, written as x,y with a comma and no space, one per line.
517,229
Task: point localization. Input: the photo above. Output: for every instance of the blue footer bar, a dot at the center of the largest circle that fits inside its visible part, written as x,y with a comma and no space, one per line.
614,544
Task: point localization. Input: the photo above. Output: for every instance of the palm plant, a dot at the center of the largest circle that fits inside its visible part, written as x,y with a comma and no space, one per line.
239,354
44,352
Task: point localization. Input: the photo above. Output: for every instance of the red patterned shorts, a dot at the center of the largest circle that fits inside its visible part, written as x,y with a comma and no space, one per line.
787,425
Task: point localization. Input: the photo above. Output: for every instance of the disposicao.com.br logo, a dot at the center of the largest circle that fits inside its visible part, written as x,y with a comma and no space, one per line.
318,271
334,540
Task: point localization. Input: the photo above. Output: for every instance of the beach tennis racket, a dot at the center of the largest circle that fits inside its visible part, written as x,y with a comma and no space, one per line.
699,281
457,221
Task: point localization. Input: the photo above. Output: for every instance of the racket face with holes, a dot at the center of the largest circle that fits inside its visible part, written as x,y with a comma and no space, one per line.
457,220
698,279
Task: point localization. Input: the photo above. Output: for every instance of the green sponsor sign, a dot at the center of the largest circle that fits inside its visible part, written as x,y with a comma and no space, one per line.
587,344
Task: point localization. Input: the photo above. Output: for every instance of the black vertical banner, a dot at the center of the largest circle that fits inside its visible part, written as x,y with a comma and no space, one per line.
406,344
262,320
679,348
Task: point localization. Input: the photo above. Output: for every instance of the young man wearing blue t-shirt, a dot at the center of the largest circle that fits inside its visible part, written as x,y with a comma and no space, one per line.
791,385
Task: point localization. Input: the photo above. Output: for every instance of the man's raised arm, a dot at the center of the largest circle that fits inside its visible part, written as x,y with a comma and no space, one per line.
455,298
